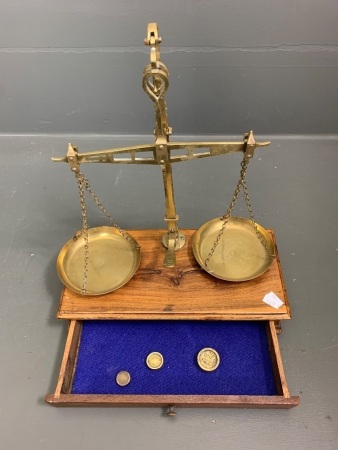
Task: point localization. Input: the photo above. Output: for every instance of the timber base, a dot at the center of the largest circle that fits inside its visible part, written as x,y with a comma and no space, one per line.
172,299
183,292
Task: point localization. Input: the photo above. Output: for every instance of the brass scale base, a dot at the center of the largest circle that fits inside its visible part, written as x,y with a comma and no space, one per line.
113,260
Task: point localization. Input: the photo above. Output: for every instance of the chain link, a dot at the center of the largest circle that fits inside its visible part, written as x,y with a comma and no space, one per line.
225,218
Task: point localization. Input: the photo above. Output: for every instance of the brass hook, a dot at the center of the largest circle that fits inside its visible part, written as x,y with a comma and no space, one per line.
153,40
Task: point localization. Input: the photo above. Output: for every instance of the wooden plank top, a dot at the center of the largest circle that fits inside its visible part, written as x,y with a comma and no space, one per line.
183,292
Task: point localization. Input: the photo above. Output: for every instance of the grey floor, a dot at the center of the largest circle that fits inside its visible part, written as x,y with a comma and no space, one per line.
293,186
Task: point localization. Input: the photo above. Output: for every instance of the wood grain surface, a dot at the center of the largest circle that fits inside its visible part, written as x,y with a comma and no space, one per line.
183,292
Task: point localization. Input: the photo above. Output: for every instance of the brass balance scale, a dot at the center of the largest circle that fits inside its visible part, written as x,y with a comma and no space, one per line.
100,260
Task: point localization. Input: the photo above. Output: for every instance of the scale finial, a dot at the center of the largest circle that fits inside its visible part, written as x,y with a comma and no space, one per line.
153,40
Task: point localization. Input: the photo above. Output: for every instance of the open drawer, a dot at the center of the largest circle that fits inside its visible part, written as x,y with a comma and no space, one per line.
250,373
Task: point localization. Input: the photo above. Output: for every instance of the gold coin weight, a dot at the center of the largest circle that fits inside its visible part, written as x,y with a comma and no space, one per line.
208,359
154,360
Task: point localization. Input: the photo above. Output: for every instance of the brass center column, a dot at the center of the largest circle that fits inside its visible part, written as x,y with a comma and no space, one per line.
155,83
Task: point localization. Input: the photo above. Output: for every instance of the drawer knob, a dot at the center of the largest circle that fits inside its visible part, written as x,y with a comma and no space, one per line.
171,411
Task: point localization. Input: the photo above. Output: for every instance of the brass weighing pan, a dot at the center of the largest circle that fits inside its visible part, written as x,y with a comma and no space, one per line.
112,261
239,255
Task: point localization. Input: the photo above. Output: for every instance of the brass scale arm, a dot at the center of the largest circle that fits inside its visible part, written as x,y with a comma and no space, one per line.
162,152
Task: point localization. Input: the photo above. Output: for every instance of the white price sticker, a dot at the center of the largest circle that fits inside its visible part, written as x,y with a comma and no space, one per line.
272,300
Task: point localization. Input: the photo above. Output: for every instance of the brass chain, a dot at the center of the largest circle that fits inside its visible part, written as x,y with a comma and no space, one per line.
84,231
248,204
241,184
105,212
83,184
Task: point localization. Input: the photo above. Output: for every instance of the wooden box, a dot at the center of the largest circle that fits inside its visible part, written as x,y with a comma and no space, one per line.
184,304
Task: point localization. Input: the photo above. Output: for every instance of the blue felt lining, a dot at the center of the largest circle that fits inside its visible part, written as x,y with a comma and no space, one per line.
107,347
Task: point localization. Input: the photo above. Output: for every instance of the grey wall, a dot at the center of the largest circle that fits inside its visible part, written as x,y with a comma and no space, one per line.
75,66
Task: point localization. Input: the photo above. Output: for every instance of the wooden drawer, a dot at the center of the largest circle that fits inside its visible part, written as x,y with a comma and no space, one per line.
95,351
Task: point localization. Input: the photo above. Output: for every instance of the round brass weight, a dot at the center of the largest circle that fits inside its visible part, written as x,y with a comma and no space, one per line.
154,360
123,378
112,261
208,359
239,255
